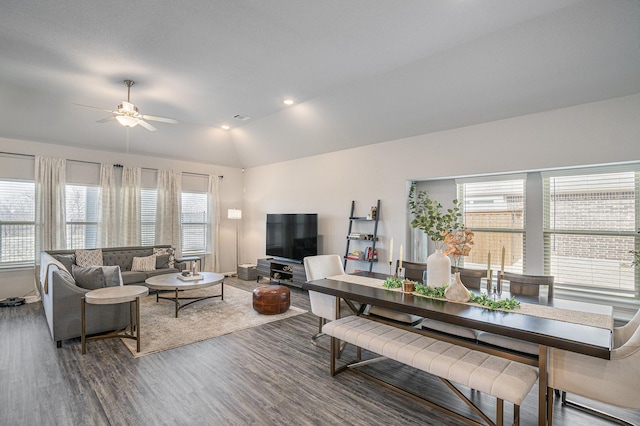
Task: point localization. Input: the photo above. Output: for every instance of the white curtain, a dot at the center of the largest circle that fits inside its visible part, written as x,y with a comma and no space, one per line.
50,222
211,260
130,228
168,209
107,236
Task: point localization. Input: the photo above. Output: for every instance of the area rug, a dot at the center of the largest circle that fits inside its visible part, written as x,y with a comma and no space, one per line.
203,320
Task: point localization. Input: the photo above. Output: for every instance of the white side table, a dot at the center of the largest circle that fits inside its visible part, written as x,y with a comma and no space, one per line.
111,296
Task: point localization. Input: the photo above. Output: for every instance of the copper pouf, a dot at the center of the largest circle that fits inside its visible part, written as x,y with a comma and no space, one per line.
271,299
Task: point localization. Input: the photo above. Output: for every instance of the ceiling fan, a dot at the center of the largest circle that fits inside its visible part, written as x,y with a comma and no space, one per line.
128,115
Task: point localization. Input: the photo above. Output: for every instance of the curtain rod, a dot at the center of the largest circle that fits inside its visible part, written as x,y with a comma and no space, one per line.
115,165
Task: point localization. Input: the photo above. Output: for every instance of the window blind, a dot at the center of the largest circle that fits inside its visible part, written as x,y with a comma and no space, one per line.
82,216
194,222
17,222
148,205
494,210
590,225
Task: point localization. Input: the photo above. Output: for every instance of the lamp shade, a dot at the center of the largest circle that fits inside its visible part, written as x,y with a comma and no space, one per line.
234,214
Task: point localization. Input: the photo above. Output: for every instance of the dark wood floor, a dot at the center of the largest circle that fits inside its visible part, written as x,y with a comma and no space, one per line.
267,375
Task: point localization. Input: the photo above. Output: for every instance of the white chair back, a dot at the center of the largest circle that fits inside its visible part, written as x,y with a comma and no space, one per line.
613,381
319,267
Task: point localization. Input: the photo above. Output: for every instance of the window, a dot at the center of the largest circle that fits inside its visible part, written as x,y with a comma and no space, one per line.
17,222
494,210
148,206
82,216
194,222
590,225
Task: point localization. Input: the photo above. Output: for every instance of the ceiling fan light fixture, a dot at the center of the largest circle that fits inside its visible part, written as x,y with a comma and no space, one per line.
127,121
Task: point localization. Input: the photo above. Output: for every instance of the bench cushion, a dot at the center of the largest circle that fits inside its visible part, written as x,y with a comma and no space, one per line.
499,377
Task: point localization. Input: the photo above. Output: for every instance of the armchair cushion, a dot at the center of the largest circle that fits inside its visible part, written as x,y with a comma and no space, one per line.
88,278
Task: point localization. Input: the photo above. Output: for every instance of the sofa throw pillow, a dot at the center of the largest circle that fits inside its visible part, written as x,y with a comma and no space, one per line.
66,259
90,278
162,261
144,264
112,276
86,258
166,250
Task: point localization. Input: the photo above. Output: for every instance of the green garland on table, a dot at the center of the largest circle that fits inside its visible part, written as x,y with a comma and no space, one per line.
436,292
504,304
482,299
391,282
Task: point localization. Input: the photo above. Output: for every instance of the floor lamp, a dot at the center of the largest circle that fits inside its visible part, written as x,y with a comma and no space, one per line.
236,214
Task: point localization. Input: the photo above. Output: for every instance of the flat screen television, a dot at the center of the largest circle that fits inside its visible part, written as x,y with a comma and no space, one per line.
292,236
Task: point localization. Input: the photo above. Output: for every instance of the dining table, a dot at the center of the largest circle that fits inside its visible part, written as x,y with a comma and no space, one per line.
566,327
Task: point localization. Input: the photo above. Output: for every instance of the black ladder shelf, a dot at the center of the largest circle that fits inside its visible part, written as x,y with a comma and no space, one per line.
369,240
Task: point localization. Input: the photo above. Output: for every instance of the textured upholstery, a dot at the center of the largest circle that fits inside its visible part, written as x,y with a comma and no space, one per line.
61,296
613,381
451,329
499,377
319,267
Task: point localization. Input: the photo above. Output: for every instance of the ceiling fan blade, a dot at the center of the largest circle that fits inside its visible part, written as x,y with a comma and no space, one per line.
105,120
162,119
147,126
89,106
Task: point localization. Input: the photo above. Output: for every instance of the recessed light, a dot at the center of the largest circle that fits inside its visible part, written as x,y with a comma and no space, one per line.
288,101
225,127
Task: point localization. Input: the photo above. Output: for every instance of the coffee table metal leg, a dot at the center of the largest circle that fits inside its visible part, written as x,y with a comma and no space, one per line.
83,336
177,303
137,324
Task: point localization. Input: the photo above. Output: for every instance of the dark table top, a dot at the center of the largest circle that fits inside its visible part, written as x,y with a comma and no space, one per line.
578,338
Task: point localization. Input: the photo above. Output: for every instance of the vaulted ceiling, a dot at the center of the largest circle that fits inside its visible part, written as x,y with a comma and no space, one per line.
360,71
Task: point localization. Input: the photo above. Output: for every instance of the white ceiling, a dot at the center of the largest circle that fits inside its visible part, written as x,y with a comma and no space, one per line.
361,71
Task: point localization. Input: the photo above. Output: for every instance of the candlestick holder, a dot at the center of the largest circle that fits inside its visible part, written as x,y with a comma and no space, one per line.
401,272
390,272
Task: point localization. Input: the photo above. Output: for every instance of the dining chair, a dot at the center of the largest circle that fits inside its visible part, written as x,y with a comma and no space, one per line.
323,305
613,381
413,272
472,279
528,285
621,336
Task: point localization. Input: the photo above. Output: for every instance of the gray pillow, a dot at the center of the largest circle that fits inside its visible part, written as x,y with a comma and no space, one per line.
111,275
90,278
162,261
66,259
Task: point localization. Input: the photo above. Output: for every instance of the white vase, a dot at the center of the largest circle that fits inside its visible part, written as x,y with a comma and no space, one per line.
438,269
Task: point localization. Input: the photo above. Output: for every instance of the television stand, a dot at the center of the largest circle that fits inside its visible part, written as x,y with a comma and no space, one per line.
282,271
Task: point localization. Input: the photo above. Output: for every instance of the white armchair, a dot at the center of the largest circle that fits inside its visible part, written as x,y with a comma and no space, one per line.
613,381
322,305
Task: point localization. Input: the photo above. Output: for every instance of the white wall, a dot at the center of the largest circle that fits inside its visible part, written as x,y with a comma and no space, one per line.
17,283
595,133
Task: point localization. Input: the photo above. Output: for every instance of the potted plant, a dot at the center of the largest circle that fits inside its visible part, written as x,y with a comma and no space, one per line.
430,217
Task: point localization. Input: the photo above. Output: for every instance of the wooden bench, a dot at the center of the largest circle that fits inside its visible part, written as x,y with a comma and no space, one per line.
502,378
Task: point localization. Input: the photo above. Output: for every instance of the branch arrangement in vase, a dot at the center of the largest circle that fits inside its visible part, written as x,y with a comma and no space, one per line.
430,217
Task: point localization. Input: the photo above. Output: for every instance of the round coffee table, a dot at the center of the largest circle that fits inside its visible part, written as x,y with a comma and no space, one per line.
173,283
112,296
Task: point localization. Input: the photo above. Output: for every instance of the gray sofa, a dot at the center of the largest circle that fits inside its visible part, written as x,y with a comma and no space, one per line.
61,294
